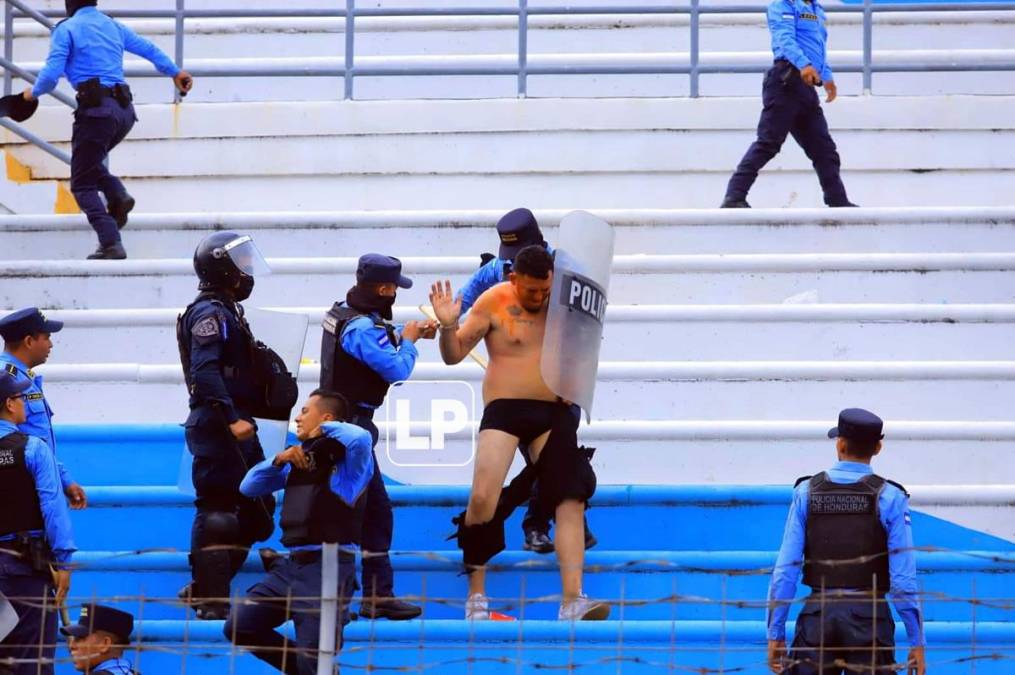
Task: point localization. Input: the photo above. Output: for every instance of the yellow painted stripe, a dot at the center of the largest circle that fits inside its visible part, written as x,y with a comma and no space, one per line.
65,202
16,171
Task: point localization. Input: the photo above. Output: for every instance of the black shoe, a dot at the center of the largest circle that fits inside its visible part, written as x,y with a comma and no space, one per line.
111,252
734,204
590,539
269,558
538,541
120,209
845,205
392,609
212,611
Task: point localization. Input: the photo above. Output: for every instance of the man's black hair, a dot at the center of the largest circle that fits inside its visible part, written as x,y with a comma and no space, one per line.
533,261
861,449
333,403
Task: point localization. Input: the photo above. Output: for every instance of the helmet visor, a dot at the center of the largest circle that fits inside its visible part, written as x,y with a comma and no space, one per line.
246,256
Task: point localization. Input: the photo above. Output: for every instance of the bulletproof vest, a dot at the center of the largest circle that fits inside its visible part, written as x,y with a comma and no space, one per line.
21,511
843,524
311,512
346,374
257,379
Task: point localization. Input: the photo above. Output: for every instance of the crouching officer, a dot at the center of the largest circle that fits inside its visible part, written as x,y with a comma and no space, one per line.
28,342
231,378
517,229
98,640
36,542
849,530
324,478
362,355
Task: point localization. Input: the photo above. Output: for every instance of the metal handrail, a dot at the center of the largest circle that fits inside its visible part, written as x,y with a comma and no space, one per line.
521,68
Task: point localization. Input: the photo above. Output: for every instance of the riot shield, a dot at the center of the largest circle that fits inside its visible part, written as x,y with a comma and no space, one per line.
8,617
574,322
286,333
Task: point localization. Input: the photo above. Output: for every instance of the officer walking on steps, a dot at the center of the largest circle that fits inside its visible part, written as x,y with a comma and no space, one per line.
28,342
849,530
36,541
88,48
516,230
362,355
226,376
791,106
98,640
324,478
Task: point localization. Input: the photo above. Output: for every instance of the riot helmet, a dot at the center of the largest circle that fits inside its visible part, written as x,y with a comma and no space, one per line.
229,261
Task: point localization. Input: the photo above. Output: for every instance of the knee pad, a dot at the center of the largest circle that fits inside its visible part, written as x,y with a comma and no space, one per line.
220,527
479,543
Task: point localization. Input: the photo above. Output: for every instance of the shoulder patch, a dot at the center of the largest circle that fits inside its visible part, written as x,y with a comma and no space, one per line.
382,340
207,327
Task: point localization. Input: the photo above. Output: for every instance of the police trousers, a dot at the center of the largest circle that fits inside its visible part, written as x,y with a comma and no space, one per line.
96,132
843,637
790,107
292,590
29,649
378,527
226,521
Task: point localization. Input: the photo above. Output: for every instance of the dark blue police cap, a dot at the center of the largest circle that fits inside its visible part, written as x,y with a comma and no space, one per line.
12,384
374,268
859,425
517,229
99,617
25,322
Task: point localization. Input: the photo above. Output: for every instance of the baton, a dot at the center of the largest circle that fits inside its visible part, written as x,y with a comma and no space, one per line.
62,606
478,358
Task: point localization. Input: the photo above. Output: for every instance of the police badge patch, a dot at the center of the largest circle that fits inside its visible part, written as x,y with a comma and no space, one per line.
207,329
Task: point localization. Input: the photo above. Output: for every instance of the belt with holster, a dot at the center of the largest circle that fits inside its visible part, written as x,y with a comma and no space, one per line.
31,549
91,94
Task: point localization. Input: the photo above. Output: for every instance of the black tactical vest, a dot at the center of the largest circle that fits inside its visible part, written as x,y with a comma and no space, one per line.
843,524
346,374
21,511
311,512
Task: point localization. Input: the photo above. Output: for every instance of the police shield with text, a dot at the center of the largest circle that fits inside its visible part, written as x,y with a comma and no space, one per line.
231,378
362,355
849,532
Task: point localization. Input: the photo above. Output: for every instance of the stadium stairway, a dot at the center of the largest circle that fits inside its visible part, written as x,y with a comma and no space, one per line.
732,340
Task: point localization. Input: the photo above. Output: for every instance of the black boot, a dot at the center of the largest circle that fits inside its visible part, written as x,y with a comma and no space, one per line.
111,252
538,541
729,203
388,608
120,209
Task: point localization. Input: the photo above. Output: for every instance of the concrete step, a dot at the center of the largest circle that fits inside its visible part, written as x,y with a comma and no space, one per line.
642,585
805,330
699,278
467,233
504,647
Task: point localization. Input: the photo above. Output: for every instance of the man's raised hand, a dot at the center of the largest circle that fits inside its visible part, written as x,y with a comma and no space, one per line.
446,307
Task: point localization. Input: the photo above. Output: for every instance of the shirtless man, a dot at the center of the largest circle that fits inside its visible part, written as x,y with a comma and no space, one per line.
520,410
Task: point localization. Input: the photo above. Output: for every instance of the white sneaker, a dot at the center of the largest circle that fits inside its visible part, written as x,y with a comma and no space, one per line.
583,609
477,608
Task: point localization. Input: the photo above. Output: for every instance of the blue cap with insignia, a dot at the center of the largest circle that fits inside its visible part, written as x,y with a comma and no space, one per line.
12,384
374,268
859,425
25,322
518,229
101,618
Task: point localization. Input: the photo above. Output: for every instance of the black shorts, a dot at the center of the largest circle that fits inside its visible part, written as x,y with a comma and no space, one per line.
526,418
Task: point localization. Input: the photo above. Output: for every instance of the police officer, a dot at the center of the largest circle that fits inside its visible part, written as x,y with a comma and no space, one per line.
216,351
98,640
849,532
324,478
36,541
791,105
88,48
27,335
362,354
516,230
